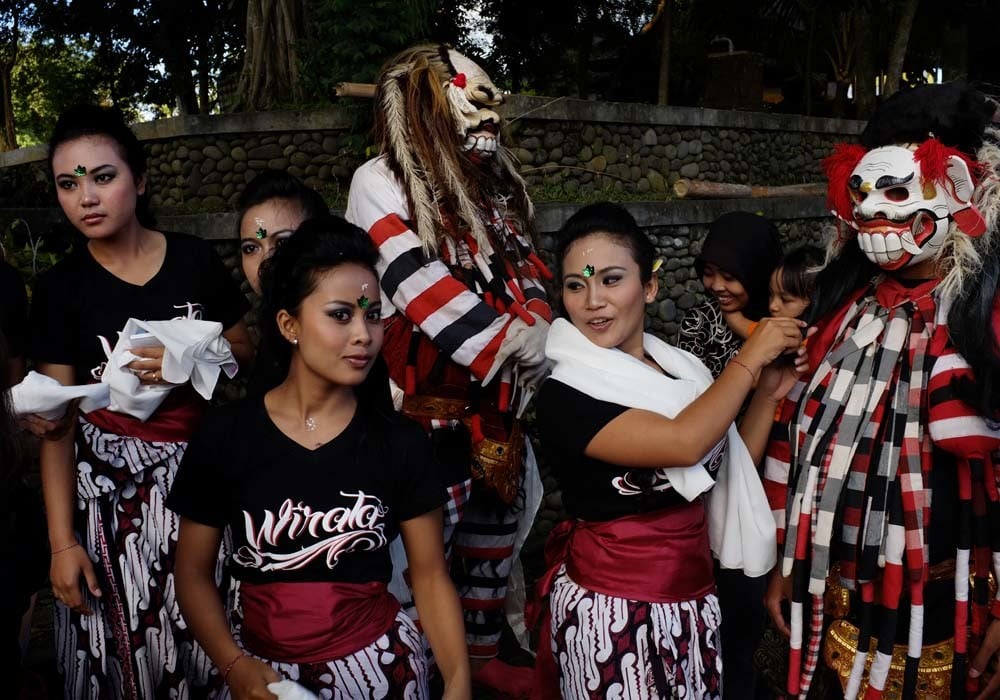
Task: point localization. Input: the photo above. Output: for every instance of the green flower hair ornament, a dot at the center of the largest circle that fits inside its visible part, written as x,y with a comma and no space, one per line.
79,171
588,271
364,302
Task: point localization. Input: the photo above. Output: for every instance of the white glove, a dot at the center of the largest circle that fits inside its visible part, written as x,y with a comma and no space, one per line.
524,346
290,690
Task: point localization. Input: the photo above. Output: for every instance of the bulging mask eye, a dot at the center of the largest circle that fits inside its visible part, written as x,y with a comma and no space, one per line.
897,194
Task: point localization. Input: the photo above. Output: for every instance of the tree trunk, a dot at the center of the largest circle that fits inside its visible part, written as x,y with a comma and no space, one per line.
204,78
864,65
810,48
897,53
8,138
586,42
271,64
663,91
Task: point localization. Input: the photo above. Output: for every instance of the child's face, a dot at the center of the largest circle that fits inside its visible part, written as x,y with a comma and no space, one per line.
729,291
782,303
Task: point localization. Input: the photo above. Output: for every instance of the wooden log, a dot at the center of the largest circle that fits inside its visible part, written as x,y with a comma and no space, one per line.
703,189
366,90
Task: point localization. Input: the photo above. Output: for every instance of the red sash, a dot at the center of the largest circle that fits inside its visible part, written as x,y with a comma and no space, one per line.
174,421
658,557
314,622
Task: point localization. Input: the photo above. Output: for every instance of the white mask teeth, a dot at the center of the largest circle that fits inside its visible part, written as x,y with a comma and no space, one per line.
481,143
470,143
909,244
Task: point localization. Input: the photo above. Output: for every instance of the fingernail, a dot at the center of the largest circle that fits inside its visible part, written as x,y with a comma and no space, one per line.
973,673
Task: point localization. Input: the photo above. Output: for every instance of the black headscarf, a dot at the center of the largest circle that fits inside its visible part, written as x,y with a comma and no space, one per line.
747,247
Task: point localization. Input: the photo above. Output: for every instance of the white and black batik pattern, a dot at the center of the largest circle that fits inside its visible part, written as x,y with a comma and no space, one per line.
706,335
610,647
135,645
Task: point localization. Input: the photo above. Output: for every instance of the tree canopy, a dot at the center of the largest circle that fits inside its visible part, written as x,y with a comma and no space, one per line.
188,56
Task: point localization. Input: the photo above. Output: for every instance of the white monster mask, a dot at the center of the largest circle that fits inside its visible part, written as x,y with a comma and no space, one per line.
901,217
472,96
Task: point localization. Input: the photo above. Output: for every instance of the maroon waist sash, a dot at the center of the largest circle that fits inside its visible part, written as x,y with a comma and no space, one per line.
174,420
314,622
658,557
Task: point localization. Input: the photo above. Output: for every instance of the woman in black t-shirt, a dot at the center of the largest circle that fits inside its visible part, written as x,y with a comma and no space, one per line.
315,478
106,480
630,581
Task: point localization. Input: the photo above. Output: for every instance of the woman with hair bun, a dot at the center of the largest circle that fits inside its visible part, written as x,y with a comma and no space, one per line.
637,433
118,629
315,478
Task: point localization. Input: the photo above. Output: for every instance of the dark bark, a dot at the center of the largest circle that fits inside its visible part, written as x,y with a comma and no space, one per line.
864,64
663,88
897,53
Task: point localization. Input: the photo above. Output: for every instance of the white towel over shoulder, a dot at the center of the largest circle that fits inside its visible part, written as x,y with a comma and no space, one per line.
740,525
194,350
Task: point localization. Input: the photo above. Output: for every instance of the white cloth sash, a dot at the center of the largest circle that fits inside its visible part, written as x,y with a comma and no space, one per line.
741,527
41,394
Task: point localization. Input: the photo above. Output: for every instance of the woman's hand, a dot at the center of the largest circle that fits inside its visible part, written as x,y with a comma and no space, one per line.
248,679
67,566
149,369
779,589
776,380
50,429
771,338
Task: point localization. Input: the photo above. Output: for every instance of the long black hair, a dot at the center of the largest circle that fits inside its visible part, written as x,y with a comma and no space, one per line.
291,275
9,453
92,120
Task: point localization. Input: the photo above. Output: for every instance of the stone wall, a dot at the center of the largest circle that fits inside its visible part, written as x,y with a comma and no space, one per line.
569,150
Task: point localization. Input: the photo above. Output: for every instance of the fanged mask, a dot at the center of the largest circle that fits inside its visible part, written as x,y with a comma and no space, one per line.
473,97
901,217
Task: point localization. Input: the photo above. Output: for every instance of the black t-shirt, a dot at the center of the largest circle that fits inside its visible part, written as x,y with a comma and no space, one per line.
13,311
592,489
323,515
78,302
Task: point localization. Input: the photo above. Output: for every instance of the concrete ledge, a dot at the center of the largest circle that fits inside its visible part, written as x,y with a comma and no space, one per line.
569,109
550,217
687,212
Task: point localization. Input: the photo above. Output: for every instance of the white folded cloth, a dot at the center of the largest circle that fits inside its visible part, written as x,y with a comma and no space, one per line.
45,396
194,350
290,690
740,525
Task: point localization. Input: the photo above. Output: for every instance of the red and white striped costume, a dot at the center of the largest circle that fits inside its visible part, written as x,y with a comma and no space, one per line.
453,319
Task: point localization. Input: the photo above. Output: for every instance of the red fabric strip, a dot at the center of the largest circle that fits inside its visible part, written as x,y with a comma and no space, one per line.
174,421
387,227
314,622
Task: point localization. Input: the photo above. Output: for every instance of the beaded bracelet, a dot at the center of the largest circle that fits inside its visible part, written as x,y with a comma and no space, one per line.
65,549
225,676
753,377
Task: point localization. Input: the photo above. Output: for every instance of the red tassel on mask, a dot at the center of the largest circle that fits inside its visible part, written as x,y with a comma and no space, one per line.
838,167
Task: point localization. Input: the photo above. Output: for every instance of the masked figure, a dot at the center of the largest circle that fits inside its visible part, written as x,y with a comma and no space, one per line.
883,470
463,304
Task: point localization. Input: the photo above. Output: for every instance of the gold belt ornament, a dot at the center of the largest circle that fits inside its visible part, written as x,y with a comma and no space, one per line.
840,644
497,463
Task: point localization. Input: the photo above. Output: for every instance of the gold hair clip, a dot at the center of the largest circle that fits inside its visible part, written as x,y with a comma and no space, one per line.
79,171
588,271
657,264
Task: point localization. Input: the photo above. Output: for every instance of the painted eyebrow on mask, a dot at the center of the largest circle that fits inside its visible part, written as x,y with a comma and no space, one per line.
892,181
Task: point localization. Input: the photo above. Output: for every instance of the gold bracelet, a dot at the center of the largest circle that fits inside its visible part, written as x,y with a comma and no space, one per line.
64,549
753,377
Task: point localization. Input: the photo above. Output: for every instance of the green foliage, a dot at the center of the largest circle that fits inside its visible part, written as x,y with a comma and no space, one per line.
49,76
30,251
349,40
